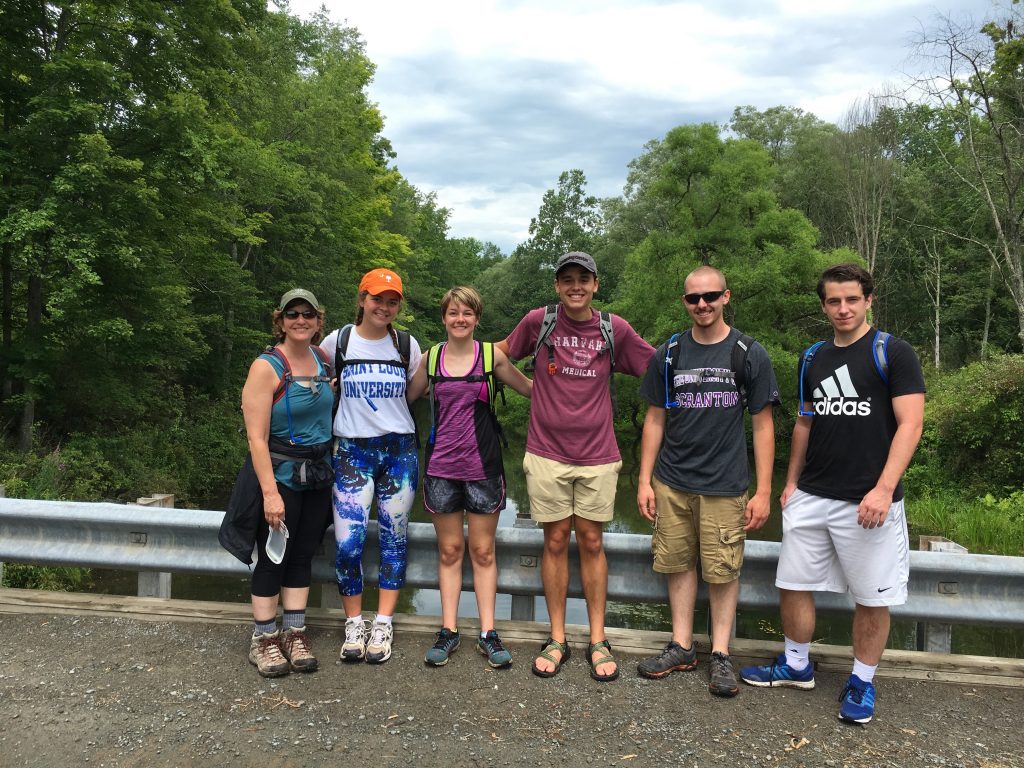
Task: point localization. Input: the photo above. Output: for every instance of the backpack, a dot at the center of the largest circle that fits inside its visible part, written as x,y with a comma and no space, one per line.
287,377
404,349
547,325
879,355
737,366
493,385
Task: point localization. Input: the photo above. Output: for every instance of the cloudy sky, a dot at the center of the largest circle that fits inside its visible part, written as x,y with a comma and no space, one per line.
486,102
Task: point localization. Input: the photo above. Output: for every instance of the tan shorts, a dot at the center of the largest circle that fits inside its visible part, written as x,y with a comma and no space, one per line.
558,490
683,519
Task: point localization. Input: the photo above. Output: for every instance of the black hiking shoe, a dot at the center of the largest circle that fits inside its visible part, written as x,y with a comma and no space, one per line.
674,658
723,677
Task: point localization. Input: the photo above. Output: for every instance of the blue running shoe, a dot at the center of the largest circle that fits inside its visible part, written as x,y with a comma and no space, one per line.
778,674
858,701
446,644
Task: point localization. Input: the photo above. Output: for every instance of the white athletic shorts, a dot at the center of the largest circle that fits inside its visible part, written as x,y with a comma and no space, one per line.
825,549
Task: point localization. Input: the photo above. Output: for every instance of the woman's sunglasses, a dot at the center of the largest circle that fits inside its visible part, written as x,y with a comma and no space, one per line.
308,314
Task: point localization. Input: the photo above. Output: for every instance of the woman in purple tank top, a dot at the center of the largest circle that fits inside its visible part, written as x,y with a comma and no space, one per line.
464,469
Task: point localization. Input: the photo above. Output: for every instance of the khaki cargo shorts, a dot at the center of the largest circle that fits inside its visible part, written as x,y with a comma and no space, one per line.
689,525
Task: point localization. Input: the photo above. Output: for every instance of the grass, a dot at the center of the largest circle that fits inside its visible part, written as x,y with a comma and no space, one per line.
984,525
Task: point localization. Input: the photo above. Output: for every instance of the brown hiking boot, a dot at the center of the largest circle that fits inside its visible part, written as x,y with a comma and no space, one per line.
265,653
295,647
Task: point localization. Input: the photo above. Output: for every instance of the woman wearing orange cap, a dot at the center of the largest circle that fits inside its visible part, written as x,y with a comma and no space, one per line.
374,456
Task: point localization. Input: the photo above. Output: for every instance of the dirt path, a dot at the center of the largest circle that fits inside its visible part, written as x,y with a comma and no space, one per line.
121,692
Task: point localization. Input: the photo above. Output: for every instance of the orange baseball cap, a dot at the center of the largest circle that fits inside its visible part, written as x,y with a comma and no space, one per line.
377,281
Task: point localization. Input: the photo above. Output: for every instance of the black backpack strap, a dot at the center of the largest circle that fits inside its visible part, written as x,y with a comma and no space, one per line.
738,365
547,325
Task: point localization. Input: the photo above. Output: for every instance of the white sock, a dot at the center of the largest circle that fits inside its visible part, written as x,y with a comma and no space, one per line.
351,619
381,619
863,671
796,654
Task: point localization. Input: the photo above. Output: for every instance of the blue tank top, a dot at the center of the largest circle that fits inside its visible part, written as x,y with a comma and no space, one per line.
311,417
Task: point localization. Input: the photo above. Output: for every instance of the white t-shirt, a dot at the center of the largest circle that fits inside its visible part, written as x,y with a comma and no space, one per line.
372,393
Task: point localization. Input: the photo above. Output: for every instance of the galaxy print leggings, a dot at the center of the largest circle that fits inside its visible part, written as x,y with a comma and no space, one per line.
385,468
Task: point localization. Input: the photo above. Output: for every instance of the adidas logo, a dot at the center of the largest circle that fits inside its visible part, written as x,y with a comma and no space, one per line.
836,396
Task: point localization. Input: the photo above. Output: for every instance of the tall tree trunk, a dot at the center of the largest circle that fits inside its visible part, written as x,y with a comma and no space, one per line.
7,321
988,309
32,334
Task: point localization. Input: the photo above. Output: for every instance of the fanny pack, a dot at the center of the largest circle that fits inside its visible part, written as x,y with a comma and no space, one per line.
311,469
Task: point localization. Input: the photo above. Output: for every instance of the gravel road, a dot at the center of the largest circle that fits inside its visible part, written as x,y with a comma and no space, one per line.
120,692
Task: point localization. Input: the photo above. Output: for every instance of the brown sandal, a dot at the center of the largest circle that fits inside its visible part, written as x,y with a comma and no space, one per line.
545,653
604,648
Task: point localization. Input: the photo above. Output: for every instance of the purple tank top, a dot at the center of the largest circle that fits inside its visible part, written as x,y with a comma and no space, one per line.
456,454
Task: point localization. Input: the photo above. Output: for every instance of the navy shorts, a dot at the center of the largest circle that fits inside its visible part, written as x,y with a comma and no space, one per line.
482,497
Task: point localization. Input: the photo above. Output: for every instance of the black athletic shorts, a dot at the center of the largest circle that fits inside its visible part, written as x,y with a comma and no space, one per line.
482,497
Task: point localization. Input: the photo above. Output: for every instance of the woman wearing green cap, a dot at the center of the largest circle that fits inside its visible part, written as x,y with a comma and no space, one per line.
286,402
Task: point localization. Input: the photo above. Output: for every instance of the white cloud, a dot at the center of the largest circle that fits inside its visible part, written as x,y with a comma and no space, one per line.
487,102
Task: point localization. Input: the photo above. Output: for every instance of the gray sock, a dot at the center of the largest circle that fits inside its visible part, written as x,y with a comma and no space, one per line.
267,627
293,619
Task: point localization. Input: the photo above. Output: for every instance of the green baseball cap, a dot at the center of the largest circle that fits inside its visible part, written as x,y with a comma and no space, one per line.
299,294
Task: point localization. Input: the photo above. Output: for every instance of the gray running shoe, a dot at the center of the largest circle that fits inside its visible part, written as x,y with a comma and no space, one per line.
265,653
490,646
723,677
295,647
354,647
378,649
446,644
674,658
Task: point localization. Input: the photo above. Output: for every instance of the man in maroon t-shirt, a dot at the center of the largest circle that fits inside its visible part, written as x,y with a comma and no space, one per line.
572,461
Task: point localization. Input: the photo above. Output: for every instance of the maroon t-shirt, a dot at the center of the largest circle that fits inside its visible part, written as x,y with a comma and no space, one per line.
571,409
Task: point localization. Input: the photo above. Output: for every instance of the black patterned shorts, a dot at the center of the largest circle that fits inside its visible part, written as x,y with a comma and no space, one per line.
482,497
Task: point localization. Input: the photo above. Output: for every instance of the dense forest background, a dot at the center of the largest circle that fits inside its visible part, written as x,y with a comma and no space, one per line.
169,169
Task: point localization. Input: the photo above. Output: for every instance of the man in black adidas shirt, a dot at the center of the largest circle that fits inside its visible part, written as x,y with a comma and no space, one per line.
844,527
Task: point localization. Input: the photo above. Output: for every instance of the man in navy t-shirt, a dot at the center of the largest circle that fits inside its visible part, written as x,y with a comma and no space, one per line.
844,528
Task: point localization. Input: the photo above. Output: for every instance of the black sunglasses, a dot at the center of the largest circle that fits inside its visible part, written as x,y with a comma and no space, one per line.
308,314
709,298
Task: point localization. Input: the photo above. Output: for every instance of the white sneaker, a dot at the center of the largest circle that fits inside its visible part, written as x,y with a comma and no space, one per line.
354,647
378,650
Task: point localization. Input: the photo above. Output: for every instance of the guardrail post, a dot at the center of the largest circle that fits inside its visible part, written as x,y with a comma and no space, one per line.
937,638
524,607
154,583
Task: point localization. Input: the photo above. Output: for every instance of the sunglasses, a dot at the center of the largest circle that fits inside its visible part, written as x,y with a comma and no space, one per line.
709,298
308,314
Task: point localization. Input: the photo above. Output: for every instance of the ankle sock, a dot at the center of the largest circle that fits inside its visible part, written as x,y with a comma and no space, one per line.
293,619
797,654
382,619
863,671
267,627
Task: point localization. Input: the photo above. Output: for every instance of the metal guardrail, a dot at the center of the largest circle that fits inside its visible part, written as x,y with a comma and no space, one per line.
944,587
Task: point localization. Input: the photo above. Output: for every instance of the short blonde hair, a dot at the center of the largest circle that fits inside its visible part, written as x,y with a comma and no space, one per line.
464,295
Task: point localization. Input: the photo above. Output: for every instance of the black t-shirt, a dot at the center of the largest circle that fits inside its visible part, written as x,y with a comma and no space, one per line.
853,423
704,449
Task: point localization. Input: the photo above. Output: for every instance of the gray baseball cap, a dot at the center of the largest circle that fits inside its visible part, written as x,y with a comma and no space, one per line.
299,294
579,258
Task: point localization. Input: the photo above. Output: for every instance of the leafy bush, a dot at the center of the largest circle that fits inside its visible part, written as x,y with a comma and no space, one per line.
974,430
984,525
22,576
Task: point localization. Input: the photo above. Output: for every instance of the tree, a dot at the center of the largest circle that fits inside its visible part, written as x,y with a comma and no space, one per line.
979,81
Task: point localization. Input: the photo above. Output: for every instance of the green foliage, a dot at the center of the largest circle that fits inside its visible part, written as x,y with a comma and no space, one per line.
974,429
21,576
984,525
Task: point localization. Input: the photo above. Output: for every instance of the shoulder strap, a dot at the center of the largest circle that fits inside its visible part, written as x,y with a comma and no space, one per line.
487,353
404,346
880,354
321,356
805,361
671,363
738,364
341,348
608,335
547,325
286,373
